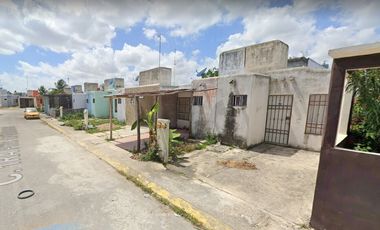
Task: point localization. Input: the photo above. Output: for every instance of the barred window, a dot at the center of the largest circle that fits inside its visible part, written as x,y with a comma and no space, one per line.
197,100
316,114
239,100
93,100
183,108
119,100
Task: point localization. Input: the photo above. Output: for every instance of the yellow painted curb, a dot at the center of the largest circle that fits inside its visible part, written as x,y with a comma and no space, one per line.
205,220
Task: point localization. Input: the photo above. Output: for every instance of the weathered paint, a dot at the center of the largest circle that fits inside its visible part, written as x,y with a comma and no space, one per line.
242,125
258,58
203,116
79,100
300,82
99,108
347,189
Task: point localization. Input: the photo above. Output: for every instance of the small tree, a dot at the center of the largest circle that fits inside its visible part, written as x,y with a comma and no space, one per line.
59,86
150,121
365,84
42,90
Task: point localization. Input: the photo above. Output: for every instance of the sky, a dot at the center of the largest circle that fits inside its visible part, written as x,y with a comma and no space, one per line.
90,40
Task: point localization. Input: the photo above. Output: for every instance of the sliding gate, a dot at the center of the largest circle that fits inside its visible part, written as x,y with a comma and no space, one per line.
278,119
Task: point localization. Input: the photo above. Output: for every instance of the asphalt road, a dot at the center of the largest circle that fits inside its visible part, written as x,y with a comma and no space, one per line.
73,189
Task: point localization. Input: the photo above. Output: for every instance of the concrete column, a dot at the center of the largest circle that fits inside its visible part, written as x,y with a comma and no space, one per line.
85,116
60,111
163,138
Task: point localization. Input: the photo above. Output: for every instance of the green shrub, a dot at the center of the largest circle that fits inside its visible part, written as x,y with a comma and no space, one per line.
151,155
211,139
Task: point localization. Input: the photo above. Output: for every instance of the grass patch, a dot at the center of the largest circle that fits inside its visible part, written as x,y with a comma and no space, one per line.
76,121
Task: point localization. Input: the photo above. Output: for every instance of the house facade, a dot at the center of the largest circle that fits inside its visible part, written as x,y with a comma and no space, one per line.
257,98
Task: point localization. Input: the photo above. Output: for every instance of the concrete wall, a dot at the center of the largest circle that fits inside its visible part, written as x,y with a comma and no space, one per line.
300,82
146,104
242,125
79,100
203,116
76,89
88,86
99,108
168,109
258,58
161,75
9,100
113,84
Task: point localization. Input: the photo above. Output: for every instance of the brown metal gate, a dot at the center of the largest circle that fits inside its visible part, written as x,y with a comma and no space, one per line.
278,119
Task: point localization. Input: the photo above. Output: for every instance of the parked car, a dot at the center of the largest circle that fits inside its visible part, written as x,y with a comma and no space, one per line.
31,113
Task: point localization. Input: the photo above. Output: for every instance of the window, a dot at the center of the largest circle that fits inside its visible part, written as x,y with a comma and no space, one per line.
87,100
197,100
183,108
119,100
316,114
93,100
115,106
239,100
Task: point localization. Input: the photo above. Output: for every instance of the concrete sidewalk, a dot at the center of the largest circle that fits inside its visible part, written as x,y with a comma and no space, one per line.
204,204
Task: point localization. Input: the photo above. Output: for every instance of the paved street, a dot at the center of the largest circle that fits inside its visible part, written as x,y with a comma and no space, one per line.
73,189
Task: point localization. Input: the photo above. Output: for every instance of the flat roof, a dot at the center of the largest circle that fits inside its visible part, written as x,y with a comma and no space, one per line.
358,50
160,92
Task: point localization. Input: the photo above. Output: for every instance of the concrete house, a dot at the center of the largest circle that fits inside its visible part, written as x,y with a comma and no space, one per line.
7,99
88,86
96,104
53,102
156,85
257,98
79,100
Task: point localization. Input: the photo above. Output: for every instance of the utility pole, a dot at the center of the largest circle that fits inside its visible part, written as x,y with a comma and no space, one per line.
174,65
159,50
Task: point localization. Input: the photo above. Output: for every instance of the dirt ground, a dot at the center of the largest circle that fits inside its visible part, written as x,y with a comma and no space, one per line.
280,180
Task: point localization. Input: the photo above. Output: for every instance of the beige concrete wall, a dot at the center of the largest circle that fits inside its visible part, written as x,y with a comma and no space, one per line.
161,75
168,109
241,125
300,82
90,86
203,116
258,58
146,104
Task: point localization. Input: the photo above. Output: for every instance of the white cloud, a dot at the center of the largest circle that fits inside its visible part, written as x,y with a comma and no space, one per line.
152,34
296,25
68,26
97,64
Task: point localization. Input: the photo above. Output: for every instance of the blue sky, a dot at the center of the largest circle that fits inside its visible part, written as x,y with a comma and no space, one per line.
48,40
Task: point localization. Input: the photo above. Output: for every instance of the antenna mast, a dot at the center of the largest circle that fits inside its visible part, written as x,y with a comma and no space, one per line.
174,65
159,50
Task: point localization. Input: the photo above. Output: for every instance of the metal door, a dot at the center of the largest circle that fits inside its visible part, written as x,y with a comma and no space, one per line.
279,114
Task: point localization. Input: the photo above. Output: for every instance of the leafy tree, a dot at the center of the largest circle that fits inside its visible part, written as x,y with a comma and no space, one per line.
60,84
365,84
42,90
211,73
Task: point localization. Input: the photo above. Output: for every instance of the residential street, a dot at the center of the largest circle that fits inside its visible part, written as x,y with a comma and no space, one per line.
73,189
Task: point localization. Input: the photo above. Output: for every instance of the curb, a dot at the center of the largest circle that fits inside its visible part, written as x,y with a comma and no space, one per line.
179,205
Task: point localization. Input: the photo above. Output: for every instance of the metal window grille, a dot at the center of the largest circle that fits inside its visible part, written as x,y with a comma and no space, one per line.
316,114
197,100
239,100
279,113
183,108
93,100
119,100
